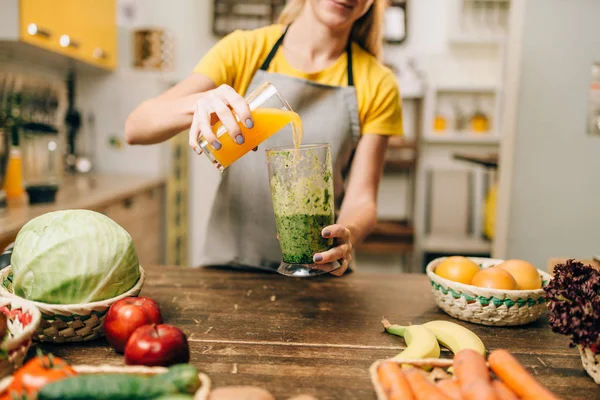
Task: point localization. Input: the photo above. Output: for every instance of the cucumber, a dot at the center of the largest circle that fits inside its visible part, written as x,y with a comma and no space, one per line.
179,379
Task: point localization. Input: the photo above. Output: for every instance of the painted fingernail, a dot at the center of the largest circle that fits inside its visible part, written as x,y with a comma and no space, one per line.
216,144
239,139
249,123
326,233
197,150
318,257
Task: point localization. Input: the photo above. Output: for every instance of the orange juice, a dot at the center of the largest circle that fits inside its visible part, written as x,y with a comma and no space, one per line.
13,182
267,121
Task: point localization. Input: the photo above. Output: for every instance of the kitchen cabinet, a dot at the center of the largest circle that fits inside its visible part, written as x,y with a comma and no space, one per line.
142,216
84,30
136,203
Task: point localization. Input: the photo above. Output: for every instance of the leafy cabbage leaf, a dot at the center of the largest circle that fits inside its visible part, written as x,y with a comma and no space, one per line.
72,257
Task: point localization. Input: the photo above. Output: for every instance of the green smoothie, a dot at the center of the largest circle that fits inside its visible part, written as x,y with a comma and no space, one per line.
302,193
300,236
301,189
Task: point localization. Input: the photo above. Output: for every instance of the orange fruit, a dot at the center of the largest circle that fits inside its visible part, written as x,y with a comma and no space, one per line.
526,275
457,269
494,278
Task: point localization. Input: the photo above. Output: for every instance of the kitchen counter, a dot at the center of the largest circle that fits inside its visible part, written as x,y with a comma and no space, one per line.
317,336
95,192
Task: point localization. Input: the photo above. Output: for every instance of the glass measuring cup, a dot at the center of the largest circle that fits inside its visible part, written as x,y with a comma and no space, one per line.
301,183
270,113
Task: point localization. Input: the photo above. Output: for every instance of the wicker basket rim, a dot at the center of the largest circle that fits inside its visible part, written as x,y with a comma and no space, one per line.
29,330
536,293
4,292
201,394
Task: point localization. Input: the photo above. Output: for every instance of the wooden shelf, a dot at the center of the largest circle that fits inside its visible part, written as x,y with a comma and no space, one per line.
466,87
456,244
399,165
462,38
401,142
389,237
488,161
463,138
401,154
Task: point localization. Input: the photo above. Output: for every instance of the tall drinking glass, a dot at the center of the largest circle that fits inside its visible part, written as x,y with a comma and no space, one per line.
270,113
301,182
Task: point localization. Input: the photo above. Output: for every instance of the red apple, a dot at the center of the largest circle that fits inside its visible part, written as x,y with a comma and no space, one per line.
157,345
125,316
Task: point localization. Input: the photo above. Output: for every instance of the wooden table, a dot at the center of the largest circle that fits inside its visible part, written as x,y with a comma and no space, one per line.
318,335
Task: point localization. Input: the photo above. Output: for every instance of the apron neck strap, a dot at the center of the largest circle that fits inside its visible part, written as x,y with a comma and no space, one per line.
277,44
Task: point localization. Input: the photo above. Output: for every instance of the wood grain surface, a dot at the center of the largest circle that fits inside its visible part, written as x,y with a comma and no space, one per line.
318,336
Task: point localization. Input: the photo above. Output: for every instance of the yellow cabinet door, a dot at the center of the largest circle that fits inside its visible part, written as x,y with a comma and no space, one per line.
72,28
100,45
85,30
40,23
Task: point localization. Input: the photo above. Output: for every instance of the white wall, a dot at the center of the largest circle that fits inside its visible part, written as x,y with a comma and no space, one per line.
549,204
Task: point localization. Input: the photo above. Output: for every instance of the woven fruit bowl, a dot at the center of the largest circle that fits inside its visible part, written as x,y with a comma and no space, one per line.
23,318
591,362
62,323
493,307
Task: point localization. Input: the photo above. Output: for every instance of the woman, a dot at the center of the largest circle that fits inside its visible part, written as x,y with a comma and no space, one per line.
323,57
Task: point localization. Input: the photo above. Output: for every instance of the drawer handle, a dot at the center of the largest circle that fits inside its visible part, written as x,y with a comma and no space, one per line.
66,41
99,53
128,203
35,30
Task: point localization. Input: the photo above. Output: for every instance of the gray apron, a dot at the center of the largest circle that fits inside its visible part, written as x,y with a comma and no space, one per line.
241,230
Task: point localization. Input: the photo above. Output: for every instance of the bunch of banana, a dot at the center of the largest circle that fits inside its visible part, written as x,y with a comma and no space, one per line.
422,341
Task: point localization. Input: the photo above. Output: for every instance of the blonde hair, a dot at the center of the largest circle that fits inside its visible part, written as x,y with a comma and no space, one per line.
366,32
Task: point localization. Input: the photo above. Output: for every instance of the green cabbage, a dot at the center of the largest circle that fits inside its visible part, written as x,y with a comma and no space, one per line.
73,256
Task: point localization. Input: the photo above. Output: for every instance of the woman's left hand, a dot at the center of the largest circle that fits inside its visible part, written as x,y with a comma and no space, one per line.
342,252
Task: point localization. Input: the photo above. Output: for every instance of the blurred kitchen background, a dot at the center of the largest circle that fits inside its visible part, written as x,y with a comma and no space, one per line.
501,153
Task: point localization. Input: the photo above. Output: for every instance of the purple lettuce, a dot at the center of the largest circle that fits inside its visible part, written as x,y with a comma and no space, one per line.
573,299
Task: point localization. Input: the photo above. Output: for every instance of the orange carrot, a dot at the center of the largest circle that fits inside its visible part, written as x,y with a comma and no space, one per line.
422,388
516,377
473,376
394,382
503,392
450,388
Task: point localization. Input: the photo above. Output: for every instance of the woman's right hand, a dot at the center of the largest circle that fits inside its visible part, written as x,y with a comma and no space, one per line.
217,105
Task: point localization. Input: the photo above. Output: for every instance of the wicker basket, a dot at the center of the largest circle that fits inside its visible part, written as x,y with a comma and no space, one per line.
437,366
487,306
70,322
591,363
23,319
201,394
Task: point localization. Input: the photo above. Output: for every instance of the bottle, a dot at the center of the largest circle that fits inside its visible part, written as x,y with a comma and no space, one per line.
13,182
479,121
439,122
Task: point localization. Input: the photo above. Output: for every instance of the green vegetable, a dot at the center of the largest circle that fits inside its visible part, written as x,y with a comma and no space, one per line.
73,256
176,397
181,379
300,236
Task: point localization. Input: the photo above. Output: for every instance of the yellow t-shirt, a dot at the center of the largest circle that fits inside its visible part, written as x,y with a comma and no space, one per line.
235,58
